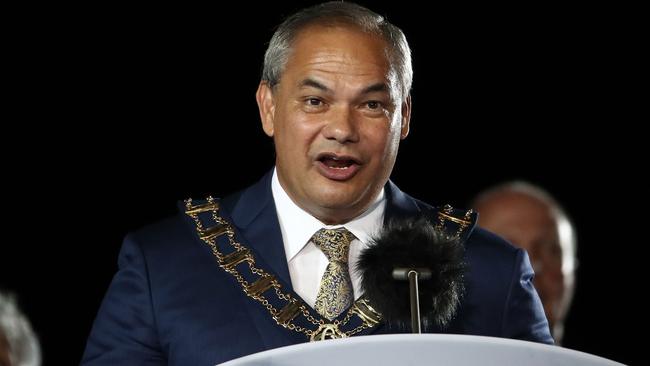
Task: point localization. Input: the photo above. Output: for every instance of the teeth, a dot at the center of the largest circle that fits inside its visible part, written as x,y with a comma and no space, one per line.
337,163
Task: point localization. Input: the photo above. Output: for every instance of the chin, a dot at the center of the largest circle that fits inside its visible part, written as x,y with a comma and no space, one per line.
337,196
337,202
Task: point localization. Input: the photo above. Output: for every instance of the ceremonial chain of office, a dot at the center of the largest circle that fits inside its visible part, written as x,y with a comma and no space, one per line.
286,309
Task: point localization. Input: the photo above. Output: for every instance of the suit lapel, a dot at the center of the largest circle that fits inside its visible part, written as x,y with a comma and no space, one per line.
398,203
256,219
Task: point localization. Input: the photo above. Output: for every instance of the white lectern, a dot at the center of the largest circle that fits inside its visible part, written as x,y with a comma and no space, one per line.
421,349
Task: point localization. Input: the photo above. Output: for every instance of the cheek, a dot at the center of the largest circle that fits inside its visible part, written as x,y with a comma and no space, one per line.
296,138
384,140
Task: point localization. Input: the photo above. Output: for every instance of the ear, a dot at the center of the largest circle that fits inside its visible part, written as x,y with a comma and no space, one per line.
264,97
406,117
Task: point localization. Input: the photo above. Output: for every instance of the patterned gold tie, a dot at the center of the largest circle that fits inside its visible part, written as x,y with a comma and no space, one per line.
335,294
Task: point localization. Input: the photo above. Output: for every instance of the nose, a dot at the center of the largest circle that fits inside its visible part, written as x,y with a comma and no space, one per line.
341,125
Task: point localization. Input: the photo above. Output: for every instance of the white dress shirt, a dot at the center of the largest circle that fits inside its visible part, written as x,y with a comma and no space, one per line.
307,263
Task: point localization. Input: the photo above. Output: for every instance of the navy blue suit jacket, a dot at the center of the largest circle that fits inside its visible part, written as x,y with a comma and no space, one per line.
171,304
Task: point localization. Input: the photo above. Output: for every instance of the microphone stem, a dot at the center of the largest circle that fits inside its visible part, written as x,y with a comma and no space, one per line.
415,301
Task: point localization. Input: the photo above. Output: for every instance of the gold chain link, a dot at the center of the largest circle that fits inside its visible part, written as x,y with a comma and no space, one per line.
447,214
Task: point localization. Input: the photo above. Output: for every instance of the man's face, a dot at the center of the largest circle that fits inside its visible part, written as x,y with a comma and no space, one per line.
531,225
336,118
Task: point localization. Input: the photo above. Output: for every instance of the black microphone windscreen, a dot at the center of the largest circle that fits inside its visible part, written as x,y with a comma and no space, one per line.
413,243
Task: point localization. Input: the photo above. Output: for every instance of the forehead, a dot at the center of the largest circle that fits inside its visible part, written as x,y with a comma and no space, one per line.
338,50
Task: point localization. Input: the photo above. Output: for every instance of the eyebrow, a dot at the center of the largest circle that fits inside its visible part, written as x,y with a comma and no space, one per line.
378,87
314,84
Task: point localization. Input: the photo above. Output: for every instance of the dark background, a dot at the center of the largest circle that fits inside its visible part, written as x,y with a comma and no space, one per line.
118,112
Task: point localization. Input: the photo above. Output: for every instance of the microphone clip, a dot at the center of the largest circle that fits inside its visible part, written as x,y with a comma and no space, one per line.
413,275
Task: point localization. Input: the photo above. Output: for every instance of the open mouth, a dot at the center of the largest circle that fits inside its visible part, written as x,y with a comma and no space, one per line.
337,167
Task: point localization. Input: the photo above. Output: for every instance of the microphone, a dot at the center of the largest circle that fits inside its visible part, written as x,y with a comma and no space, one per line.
415,246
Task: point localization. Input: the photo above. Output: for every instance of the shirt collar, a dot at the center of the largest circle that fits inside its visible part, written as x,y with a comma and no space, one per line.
298,226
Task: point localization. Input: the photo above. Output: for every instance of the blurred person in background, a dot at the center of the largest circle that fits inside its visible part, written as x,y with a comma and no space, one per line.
529,217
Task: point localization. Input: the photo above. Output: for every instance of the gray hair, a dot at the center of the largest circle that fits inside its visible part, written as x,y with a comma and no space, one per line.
332,14
24,349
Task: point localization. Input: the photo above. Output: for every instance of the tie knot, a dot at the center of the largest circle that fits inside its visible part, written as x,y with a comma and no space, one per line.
335,243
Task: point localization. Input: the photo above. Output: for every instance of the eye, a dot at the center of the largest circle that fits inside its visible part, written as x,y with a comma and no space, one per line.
314,102
373,104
